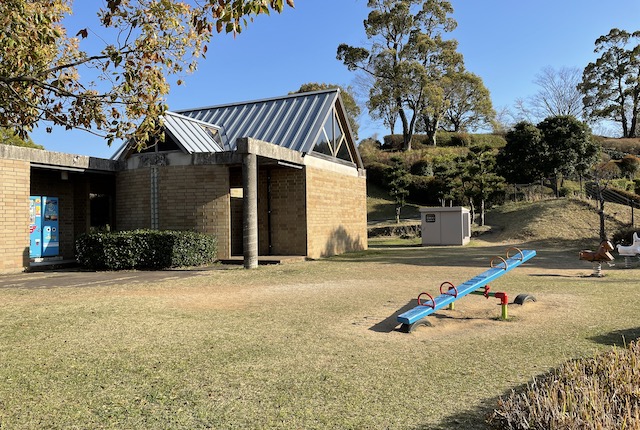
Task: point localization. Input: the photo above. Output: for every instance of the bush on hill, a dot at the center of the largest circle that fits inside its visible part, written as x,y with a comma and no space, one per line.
445,139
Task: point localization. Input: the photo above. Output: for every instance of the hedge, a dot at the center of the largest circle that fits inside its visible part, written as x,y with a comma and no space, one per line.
445,138
144,249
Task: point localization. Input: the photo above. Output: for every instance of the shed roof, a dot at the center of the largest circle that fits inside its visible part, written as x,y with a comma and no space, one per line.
191,135
194,136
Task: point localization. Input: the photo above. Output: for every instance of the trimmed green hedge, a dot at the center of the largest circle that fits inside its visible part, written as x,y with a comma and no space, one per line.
144,249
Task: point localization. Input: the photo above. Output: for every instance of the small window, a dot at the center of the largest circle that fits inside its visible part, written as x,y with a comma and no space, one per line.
332,140
214,134
343,152
323,146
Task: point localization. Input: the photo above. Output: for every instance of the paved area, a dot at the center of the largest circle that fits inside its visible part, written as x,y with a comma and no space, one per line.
57,276
65,278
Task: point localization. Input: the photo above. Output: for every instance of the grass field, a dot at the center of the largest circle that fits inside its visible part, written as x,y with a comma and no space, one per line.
306,345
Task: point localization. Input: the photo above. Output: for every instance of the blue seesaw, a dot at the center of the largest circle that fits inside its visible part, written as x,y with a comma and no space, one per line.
475,285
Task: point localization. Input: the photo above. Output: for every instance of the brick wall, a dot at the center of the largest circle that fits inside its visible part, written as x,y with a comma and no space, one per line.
14,215
196,198
133,199
336,212
288,214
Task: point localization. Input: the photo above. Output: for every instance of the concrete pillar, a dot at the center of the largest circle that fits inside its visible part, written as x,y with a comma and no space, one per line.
250,210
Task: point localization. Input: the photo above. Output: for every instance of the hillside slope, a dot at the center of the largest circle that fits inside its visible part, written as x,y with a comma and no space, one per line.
554,221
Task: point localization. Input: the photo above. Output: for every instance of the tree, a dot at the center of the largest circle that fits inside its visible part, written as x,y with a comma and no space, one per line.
559,146
110,80
521,161
571,149
350,104
408,59
602,174
446,178
469,103
629,166
399,180
611,85
478,178
557,95
10,137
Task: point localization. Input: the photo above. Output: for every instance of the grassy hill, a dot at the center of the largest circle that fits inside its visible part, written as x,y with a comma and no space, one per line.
555,221
569,221
381,209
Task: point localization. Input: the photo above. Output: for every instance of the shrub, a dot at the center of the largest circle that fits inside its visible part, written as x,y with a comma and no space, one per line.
421,167
393,142
492,140
144,249
600,392
377,173
461,139
624,236
421,190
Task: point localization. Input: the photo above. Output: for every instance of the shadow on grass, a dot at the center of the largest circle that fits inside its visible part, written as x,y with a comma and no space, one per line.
391,323
561,255
468,419
620,338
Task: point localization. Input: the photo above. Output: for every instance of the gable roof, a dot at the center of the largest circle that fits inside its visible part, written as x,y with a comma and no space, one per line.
291,121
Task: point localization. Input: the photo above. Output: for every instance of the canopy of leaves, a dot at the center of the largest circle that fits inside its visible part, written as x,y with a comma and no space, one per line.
518,161
115,85
611,85
559,145
469,104
10,137
407,58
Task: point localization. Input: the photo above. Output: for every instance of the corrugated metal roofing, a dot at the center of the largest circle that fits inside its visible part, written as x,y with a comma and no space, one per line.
292,121
191,135
194,136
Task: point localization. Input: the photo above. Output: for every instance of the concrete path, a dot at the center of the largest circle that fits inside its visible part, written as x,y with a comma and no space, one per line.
74,278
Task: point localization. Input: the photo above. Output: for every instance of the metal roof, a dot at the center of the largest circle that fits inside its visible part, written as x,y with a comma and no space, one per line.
194,136
292,121
191,135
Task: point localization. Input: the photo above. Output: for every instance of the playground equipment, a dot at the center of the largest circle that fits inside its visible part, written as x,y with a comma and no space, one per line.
476,285
629,251
602,254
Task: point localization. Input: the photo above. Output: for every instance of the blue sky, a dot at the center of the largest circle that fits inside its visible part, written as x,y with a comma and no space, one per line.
505,42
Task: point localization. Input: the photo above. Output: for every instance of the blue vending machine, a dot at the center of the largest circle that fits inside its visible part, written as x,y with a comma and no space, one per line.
44,227
35,226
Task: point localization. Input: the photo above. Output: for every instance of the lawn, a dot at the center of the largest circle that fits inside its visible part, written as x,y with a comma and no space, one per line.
304,345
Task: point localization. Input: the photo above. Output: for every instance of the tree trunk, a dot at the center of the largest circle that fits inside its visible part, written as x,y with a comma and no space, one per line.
431,128
473,210
481,212
634,118
398,208
407,131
